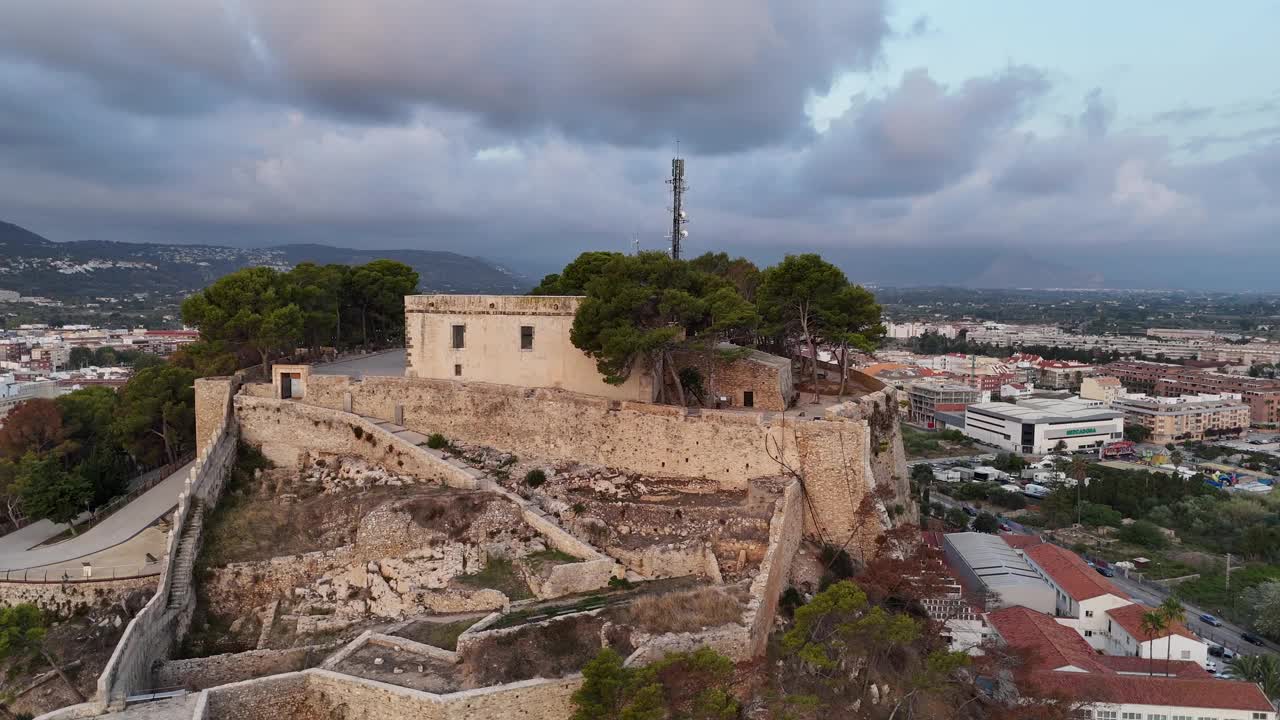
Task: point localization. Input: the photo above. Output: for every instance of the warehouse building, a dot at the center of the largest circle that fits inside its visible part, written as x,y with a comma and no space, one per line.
1037,425
995,575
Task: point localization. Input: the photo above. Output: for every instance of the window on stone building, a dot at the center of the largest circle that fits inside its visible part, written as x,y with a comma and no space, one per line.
526,337
457,369
459,336
748,399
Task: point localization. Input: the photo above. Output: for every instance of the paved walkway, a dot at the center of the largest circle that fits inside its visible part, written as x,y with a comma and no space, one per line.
386,363
122,525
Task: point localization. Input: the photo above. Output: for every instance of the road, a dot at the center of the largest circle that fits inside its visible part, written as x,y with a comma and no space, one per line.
17,551
1228,635
387,363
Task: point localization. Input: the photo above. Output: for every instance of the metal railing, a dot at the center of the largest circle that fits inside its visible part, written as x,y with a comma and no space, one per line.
38,576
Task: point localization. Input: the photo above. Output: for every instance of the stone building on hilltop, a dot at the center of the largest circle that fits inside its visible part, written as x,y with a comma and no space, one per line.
524,340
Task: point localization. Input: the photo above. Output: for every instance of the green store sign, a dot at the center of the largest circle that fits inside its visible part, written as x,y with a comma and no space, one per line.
1082,431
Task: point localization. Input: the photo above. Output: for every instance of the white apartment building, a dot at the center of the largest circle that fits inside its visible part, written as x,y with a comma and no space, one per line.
1036,425
1083,596
1125,637
1186,417
1101,388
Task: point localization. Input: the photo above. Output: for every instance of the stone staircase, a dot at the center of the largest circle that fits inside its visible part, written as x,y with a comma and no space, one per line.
188,546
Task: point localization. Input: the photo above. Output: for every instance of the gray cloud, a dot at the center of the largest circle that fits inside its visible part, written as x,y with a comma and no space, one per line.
616,72
512,132
920,136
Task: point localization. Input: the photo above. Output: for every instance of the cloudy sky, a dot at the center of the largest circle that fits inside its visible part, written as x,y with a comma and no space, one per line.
1126,144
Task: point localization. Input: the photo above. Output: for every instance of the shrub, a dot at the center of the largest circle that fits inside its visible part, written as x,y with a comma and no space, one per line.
534,478
436,441
1146,534
986,523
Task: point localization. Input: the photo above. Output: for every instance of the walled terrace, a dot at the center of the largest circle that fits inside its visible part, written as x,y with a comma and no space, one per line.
655,526
306,556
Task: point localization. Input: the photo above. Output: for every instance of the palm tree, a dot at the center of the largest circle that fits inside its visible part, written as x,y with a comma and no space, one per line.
1153,623
1172,612
1261,669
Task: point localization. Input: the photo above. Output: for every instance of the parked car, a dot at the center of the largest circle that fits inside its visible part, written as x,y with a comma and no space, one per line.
1208,619
1105,571
1211,666
970,511
1006,527
1251,638
1228,653
1215,650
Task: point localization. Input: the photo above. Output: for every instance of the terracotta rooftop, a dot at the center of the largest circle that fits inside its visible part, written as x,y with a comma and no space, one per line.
1051,644
1020,542
1072,574
1140,690
1129,617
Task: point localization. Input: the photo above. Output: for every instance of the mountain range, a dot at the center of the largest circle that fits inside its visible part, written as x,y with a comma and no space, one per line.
32,265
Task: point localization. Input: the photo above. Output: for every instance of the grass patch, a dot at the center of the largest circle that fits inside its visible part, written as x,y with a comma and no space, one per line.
1209,590
683,611
549,558
499,574
920,444
443,635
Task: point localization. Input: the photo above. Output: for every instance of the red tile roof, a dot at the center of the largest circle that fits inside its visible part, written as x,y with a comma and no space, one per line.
1129,617
1072,574
1019,542
1139,690
1177,668
1052,645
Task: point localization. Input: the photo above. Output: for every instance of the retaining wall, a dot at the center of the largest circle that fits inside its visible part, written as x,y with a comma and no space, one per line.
207,672
68,598
842,457
285,430
325,695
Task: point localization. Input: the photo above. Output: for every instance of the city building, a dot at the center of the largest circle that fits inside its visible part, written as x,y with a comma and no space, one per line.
926,398
1083,597
1163,380
1185,417
1037,425
1102,388
1125,636
995,575
1063,375
1061,664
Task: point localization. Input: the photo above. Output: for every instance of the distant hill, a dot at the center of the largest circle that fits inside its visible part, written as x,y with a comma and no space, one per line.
86,270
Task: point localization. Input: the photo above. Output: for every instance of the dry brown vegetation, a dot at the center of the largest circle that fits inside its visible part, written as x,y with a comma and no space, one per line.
683,611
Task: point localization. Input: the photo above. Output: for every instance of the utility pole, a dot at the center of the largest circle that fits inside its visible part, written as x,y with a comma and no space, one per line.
678,217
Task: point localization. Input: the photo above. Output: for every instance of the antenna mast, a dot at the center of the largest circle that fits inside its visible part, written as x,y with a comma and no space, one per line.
678,217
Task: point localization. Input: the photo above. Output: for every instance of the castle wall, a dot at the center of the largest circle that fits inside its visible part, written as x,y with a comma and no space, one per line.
64,599
730,371
841,458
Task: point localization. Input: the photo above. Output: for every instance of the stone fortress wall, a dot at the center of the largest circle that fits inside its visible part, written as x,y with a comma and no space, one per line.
841,458
155,631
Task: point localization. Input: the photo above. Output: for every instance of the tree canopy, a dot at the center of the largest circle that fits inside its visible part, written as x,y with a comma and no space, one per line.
258,313
641,307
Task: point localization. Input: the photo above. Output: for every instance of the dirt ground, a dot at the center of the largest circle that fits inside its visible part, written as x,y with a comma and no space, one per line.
401,667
